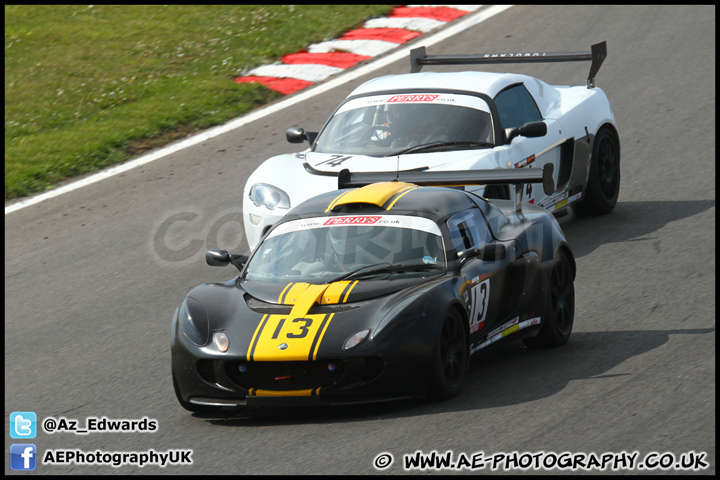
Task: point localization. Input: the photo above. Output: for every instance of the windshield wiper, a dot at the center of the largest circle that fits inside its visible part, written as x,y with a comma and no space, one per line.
428,146
386,268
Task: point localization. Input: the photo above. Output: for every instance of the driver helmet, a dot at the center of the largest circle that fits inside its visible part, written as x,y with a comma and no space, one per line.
346,240
402,114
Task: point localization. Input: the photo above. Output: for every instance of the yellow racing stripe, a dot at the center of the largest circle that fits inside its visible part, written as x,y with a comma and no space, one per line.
334,292
350,290
405,192
320,337
375,193
280,298
255,335
298,334
295,292
332,204
293,336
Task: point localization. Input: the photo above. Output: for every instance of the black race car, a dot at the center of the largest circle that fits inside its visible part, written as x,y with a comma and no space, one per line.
381,290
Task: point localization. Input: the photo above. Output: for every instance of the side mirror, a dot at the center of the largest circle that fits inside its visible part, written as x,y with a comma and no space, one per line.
217,258
221,258
488,252
295,135
529,130
298,135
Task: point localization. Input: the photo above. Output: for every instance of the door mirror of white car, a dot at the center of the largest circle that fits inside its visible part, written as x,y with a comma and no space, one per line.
298,135
530,130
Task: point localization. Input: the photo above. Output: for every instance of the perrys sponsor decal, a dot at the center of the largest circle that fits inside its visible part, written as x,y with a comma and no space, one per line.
394,221
352,220
412,98
525,162
468,101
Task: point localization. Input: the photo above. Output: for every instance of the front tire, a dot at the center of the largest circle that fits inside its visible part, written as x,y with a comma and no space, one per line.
603,185
450,358
557,321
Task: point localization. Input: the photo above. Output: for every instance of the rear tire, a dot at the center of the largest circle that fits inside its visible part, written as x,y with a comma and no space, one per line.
449,358
557,321
603,184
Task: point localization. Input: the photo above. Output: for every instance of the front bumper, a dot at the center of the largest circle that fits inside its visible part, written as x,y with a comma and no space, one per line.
215,379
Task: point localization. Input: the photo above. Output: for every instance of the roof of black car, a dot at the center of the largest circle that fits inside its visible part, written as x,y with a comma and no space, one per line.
436,203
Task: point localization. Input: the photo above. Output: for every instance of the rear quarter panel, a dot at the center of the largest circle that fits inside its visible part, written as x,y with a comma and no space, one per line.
580,108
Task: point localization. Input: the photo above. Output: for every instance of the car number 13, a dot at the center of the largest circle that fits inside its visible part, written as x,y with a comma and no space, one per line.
299,337
479,298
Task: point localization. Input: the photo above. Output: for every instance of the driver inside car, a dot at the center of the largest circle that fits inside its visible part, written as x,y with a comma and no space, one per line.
404,124
411,125
351,247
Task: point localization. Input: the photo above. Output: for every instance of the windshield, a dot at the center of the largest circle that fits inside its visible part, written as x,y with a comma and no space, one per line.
384,125
323,249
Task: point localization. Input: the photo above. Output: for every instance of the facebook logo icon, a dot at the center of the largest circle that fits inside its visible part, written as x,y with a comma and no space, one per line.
23,425
23,456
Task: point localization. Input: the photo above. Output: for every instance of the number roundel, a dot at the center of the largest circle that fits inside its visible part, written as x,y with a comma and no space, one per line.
302,335
480,298
304,329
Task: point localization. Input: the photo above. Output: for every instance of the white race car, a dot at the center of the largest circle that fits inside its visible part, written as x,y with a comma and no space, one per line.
455,121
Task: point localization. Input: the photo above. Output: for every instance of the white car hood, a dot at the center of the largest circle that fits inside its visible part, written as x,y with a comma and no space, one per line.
457,160
304,175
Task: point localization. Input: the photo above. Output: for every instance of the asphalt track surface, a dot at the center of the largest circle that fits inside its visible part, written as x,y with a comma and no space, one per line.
89,298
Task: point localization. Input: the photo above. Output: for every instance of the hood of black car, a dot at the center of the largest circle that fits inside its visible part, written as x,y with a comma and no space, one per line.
342,292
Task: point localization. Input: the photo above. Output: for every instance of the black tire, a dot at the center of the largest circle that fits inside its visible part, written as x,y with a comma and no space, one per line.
603,184
191,407
449,358
557,322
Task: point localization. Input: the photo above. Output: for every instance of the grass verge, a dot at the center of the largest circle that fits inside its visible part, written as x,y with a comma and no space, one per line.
91,86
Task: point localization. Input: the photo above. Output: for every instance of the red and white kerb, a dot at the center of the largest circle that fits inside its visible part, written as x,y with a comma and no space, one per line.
300,70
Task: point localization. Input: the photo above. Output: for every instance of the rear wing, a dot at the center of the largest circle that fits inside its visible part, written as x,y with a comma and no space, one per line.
460,178
596,55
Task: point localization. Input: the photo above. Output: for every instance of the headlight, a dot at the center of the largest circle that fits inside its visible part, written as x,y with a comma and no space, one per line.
271,197
221,341
194,322
355,339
